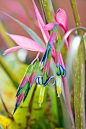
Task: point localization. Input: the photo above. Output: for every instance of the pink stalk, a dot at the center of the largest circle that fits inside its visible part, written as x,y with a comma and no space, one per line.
66,89
47,66
52,37
43,33
39,18
36,58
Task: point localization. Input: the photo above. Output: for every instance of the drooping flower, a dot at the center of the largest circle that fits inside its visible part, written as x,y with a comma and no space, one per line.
60,71
26,84
29,44
44,80
45,64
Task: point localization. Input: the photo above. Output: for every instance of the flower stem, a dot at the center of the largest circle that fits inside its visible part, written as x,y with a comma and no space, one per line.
75,12
46,4
48,10
79,76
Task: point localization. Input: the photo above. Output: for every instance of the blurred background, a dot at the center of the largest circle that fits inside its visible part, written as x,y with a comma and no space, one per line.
23,11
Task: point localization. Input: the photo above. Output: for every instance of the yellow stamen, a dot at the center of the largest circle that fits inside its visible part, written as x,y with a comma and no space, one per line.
40,99
58,90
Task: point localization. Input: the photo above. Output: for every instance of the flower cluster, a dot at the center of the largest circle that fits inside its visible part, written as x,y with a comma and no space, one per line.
51,51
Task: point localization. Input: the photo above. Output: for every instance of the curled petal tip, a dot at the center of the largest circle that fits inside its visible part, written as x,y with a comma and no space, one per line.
61,18
60,70
11,50
49,26
4,53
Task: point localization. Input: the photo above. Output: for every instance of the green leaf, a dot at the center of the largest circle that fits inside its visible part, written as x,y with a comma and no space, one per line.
73,48
34,36
85,39
67,119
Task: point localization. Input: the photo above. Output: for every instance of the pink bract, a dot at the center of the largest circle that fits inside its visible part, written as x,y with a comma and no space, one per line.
24,43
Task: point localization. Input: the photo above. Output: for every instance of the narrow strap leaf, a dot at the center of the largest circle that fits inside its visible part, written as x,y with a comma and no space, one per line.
34,36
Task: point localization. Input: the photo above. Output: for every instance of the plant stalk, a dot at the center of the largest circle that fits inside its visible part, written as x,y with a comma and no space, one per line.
49,14
79,76
48,10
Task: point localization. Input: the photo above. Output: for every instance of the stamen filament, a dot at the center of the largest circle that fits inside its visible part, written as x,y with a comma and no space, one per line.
41,96
58,85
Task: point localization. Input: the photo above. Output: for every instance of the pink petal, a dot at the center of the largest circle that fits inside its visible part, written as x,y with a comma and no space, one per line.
39,18
61,18
51,25
27,43
52,37
11,50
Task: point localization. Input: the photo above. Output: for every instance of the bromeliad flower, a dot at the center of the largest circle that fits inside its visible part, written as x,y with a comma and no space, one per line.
26,84
60,19
44,79
60,71
29,44
28,79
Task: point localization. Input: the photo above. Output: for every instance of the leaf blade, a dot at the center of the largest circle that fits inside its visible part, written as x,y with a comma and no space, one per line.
34,36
